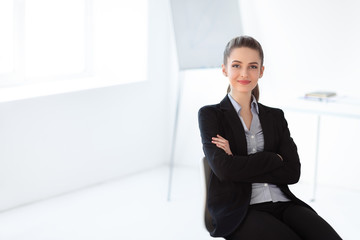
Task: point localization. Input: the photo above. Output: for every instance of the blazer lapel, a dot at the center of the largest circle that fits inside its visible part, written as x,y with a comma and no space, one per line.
235,124
267,127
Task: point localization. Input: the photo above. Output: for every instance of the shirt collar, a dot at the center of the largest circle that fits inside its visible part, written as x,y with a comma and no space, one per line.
254,104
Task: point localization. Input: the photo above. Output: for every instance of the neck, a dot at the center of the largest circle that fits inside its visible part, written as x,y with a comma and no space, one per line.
244,99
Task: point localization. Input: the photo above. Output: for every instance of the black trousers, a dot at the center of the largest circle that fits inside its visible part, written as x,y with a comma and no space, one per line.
283,221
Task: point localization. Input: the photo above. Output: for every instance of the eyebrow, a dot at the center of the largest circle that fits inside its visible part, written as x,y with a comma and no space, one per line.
241,62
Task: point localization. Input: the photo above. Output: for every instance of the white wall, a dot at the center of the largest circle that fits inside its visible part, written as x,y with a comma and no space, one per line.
309,46
54,144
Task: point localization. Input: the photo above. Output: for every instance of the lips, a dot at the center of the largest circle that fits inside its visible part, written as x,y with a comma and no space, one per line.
244,82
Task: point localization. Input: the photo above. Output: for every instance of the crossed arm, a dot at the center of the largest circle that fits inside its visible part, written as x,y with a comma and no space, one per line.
223,144
282,167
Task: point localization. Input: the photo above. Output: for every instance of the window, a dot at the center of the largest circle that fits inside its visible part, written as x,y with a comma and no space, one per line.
120,38
6,39
54,37
95,40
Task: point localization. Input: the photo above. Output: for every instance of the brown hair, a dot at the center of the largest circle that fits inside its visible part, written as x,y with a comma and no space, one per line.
244,41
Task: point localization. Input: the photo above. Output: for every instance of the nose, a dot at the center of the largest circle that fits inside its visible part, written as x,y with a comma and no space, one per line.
243,73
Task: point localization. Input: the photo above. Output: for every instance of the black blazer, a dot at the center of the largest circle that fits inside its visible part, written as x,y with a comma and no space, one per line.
229,189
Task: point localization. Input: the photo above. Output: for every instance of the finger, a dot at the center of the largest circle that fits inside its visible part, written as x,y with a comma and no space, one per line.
220,146
217,141
220,137
223,139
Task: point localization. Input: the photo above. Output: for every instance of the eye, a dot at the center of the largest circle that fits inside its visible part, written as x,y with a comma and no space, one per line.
253,67
236,66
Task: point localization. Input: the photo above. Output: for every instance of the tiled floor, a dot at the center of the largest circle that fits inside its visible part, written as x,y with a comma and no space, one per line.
136,208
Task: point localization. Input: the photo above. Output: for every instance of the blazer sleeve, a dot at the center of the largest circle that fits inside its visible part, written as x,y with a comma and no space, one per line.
238,168
290,172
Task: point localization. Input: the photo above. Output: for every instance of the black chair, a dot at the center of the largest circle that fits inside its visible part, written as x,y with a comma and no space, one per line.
207,217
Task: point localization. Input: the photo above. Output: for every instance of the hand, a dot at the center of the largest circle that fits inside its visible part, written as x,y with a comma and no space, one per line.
222,143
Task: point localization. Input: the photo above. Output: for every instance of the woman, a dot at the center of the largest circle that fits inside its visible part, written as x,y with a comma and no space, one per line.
253,159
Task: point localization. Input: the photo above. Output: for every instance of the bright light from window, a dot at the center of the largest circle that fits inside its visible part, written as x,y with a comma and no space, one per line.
120,39
67,45
54,37
6,39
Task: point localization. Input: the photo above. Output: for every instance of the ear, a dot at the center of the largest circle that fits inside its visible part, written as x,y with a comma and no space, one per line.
224,70
262,71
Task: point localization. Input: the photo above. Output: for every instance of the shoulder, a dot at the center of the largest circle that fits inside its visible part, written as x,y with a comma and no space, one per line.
209,118
218,108
274,112
209,110
275,115
213,107
270,109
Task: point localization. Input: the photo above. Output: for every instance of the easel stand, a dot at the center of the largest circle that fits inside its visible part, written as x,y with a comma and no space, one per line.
175,130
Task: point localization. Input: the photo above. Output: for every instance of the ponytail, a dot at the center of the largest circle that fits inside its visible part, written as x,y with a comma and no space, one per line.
256,92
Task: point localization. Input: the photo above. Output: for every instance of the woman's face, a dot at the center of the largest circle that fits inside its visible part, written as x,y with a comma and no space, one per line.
243,69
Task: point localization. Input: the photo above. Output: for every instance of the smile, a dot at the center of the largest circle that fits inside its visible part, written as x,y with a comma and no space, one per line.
244,82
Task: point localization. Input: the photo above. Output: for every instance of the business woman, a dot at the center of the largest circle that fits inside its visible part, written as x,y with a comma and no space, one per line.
253,159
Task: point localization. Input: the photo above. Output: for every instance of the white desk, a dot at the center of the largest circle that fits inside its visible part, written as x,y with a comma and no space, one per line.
346,107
